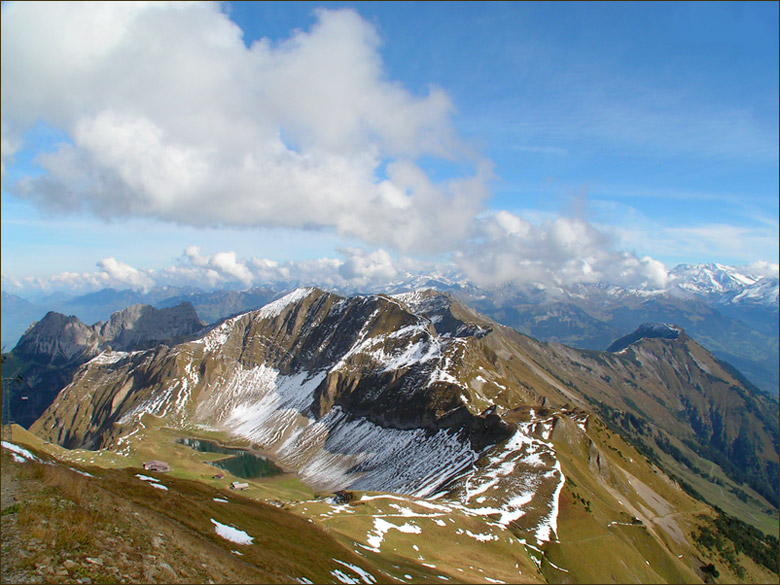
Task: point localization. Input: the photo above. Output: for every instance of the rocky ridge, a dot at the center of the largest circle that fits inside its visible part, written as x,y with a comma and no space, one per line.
646,331
52,349
415,394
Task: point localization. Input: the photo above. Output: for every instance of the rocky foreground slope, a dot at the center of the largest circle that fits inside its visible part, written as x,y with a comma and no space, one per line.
417,395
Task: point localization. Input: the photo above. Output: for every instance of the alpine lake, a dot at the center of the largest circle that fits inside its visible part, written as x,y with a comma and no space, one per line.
241,463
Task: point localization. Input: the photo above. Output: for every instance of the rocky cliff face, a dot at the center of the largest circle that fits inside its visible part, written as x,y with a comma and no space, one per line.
57,339
143,326
51,350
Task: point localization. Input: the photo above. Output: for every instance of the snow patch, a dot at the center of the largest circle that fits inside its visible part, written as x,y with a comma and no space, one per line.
20,452
382,527
482,537
367,577
343,578
146,478
275,308
232,534
109,357
510,481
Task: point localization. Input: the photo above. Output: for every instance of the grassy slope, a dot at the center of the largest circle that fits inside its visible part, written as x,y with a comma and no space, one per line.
581,375
597,540
624,520
597,515
285,545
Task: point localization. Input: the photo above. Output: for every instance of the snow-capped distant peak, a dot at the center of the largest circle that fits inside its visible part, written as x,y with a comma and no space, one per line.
723,284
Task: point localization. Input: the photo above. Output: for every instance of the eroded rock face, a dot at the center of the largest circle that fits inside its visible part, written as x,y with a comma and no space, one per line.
57,339
53,349
143,326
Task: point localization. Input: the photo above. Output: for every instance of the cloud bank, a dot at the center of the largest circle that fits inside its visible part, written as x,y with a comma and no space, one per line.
355,268
360,270
172,117
558,252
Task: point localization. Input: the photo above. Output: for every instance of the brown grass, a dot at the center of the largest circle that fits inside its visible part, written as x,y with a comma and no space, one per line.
131,526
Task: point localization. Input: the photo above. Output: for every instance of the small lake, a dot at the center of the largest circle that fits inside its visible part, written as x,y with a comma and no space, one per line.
241,463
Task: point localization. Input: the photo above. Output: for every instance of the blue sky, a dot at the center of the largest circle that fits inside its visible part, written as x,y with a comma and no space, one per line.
227,144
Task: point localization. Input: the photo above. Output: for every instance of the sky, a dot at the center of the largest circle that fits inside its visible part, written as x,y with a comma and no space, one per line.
233,144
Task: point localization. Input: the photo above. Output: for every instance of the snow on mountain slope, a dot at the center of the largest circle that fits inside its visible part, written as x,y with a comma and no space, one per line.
416,396
362,393
724,284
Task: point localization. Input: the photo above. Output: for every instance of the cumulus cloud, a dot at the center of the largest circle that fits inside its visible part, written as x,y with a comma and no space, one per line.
172,117
366,266
124,274
558,252
222,267
762,268
68,282
356,269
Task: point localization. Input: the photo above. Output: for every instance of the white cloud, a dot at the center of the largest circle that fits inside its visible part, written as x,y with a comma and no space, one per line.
70,282
357,269
8,147
762,268
557,253
222,268
363,267
560,252
171,117
120,273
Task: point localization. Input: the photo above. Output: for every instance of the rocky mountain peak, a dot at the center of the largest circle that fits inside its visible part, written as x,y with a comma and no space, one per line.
51,350
141,326
449,317
57,338
646,331
60,337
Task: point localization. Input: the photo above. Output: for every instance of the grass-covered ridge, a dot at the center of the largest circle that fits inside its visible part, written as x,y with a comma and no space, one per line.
115,515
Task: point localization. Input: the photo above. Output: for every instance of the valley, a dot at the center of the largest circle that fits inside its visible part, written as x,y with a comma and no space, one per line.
432,443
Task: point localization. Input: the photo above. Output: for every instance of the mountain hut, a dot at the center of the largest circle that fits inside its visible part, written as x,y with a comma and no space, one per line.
156,466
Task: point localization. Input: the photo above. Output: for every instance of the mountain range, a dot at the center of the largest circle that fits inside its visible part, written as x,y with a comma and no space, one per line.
418,395
729,311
